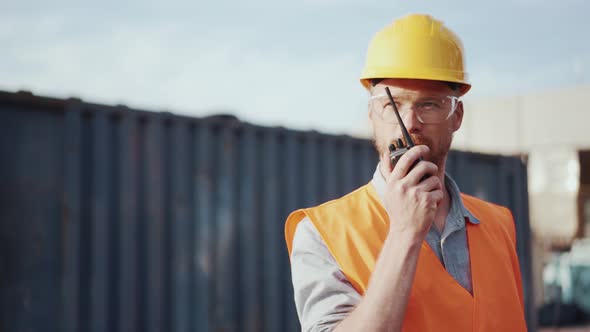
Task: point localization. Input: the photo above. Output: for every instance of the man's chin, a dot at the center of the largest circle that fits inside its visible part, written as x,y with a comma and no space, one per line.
434,155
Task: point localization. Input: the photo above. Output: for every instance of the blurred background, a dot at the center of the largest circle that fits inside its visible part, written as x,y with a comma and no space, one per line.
221,99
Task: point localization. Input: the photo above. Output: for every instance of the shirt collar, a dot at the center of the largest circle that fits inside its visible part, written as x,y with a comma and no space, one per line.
457,206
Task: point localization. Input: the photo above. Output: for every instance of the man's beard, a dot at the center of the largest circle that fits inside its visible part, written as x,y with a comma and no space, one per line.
437,154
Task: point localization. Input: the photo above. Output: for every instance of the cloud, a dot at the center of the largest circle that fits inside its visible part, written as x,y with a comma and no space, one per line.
190,72
295,65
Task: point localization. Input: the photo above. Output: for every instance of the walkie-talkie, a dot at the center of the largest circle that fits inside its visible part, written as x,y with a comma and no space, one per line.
399,147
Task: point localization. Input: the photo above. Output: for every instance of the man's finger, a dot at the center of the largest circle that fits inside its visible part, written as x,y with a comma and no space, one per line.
407,160
384,158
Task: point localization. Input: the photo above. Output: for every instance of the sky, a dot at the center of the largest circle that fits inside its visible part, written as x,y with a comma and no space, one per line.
278,63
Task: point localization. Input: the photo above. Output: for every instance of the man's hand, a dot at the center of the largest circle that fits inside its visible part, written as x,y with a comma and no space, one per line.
411,204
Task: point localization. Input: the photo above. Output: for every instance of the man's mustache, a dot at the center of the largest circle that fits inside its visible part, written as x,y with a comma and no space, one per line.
421,140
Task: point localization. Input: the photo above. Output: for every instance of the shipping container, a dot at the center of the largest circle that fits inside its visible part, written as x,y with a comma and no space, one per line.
116,219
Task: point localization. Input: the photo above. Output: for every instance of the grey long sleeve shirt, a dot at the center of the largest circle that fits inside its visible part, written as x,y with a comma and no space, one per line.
323,295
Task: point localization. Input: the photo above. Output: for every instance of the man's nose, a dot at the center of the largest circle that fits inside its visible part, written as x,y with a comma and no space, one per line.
411,121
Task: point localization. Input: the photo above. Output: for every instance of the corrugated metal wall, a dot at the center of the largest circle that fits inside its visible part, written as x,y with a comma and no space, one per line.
121,220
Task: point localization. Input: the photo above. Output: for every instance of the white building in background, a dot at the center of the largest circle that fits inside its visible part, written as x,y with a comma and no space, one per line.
551,129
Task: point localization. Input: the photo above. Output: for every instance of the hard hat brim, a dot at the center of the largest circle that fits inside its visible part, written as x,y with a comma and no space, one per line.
431,75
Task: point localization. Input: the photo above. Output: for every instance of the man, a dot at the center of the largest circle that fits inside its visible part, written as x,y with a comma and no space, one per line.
408,251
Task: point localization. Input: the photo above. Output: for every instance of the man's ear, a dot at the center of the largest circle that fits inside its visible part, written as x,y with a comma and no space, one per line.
458,117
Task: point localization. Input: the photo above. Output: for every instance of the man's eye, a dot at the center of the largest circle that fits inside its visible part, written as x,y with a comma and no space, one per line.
388,104
430,104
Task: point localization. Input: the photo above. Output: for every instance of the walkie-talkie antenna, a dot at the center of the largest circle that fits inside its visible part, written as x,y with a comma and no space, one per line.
407,136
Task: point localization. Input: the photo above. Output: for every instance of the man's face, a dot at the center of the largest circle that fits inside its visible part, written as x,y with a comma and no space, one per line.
409,93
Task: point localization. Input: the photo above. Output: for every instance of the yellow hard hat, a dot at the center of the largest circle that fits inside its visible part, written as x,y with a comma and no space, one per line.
416,46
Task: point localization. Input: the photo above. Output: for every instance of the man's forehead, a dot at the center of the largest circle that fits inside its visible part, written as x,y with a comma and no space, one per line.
413,85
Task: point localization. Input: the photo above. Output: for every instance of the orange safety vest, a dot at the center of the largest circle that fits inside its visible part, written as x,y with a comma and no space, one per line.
355,226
